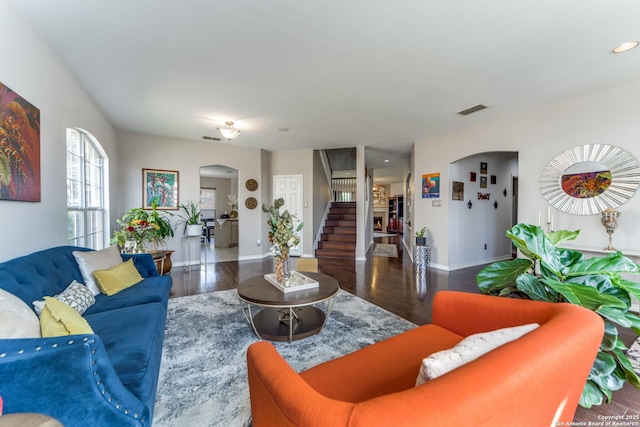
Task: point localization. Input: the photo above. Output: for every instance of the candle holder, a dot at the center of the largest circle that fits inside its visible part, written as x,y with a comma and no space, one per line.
609,219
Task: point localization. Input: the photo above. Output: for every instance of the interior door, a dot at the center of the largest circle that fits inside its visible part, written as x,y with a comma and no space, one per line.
289,187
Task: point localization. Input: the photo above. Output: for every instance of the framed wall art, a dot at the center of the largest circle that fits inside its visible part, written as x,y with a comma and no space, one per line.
472,177
19,148
483,182
494,179
431,186
483,168
458,191
160,186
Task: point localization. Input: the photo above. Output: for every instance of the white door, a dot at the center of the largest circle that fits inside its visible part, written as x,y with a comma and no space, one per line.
289,187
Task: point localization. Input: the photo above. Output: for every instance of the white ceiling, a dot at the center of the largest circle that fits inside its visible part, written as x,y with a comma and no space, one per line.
337,73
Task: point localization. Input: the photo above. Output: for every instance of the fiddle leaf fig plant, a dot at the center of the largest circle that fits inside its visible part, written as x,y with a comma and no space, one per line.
554,274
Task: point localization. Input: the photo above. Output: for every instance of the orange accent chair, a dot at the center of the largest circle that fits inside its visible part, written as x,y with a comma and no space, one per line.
535,380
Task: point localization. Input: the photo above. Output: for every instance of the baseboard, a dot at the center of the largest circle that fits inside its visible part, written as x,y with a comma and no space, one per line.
479,262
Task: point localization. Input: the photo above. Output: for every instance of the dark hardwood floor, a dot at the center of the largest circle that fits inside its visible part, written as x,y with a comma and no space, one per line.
391,284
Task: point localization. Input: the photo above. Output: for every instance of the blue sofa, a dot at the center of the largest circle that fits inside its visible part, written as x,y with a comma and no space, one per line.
109,378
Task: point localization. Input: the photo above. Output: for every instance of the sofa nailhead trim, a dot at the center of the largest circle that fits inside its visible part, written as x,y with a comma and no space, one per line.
3,354
38,348
136,415
20,351
54,346
70,342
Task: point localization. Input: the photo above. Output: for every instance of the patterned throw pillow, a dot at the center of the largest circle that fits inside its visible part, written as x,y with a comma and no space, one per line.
77,295
468,350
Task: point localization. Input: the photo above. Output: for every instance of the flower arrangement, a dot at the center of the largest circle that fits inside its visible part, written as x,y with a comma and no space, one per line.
232,200
282,235
138,230
142,226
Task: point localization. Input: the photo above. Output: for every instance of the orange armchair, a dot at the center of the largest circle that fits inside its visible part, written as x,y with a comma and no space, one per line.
535,380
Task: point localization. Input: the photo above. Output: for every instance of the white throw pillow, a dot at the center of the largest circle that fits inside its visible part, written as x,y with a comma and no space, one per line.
467,350
91,261
77,295
17,320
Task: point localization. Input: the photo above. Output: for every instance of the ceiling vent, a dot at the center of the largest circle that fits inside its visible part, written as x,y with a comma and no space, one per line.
211,138
472,109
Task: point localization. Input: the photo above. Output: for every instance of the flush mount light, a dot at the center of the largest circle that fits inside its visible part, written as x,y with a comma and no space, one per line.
625,47
386,160
229,132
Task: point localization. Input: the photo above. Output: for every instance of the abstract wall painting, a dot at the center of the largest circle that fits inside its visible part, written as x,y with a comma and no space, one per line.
431,186
19,148
161,187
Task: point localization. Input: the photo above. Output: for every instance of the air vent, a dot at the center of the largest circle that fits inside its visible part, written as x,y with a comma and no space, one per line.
472,110
211,138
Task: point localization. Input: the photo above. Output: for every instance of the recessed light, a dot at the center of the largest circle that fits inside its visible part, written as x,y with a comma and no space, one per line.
387,160
625,47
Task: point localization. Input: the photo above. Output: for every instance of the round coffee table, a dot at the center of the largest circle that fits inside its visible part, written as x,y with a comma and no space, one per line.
286,316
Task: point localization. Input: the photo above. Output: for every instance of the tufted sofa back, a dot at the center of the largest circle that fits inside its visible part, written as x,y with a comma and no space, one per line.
47,272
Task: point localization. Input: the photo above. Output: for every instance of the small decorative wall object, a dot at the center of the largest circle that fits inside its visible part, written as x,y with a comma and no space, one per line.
251,184
484,196
469,204
483,182
494,179
458,190
19,148
431,186
160,186
483,168
472,177
495,204
251,203
504,192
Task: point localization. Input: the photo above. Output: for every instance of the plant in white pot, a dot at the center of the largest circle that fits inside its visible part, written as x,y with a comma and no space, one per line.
191,217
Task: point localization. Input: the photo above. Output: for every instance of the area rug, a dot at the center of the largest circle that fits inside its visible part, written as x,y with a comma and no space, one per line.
634,356
385,249
203,376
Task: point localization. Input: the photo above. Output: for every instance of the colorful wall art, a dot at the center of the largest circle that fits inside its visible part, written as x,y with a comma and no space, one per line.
19,148
160,186
586,185
431,186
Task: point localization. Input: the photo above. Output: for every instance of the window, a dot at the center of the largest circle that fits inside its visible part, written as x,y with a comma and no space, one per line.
85,190
208,203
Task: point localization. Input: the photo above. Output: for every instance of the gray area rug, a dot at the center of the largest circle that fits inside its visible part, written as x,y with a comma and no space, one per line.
385,249
203,376
634,356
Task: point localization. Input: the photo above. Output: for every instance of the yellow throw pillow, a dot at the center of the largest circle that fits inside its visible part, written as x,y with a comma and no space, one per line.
58,319
118,278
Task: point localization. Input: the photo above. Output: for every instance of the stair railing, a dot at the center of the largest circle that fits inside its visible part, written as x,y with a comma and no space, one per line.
344,189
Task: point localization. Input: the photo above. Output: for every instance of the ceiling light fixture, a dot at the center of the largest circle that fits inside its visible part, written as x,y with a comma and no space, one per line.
229,132
625,47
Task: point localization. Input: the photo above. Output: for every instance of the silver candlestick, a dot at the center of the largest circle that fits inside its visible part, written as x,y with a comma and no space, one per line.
609,220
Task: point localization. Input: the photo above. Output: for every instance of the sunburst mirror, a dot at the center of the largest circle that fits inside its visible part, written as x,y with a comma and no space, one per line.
587,179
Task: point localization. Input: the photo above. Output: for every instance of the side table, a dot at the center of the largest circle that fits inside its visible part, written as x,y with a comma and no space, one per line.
422,256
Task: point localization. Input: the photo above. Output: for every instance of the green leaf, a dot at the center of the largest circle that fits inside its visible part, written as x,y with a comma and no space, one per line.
615,315
500,274
570,257
632,287
591,395
560,236
531,285
610,339
532,241
625,364
615,262
604,365
585,296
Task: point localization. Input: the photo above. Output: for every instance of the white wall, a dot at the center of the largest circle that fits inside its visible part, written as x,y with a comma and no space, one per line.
138,151
31,69
607,115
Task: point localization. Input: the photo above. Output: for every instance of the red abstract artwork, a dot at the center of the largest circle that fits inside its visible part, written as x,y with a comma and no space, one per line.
19,148
586,185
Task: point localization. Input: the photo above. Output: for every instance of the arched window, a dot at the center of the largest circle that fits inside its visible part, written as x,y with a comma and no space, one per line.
86,178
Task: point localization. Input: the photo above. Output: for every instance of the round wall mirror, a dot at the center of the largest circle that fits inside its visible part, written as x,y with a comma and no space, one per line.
587,179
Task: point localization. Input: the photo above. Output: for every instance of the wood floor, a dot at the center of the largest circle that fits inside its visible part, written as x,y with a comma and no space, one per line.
390,283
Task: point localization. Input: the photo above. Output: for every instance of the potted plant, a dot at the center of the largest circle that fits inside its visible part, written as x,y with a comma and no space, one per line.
190,217
421,240
159,229
554,274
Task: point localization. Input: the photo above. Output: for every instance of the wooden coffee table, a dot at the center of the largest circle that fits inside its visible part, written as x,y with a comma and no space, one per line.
278,316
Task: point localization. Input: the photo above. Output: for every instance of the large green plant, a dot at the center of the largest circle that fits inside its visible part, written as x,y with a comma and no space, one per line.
551,273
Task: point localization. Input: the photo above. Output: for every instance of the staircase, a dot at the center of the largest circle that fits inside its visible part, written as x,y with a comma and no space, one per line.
339,234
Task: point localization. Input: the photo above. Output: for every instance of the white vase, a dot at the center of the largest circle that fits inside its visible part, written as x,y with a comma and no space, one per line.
194,229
